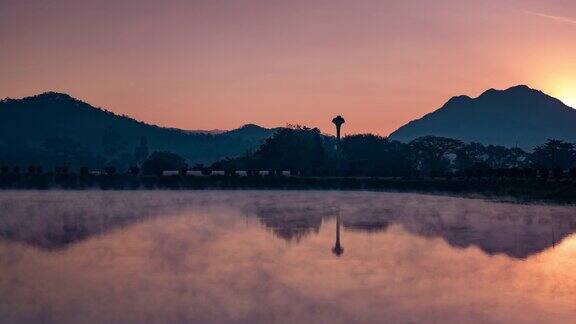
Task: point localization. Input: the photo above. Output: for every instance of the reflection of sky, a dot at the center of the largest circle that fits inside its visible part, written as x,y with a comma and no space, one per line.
208,263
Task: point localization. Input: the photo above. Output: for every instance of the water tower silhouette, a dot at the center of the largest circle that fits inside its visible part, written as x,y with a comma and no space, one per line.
338,121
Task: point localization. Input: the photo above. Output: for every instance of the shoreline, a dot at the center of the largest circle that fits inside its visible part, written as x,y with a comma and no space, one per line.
523,190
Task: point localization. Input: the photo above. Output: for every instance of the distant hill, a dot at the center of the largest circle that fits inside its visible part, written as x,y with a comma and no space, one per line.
518,116
201,131
56,127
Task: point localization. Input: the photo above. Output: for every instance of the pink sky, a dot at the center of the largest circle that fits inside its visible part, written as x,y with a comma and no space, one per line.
209,64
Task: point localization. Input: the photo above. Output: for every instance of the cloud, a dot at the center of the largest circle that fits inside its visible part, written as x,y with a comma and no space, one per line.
551,17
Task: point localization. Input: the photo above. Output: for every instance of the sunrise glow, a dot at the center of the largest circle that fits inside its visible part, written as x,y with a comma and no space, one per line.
287,161
217,64
568,97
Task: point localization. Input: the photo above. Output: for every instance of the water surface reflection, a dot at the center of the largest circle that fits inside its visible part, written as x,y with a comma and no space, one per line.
249,256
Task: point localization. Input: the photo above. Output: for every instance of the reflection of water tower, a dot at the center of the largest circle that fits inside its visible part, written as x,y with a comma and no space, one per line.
338,250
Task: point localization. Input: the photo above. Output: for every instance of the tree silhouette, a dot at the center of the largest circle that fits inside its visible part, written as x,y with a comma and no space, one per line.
141,151
471,159
293,148
555,153
372,155
163,161
432,153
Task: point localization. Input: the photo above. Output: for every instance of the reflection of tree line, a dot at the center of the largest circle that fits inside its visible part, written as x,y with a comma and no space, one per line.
291,223
517,234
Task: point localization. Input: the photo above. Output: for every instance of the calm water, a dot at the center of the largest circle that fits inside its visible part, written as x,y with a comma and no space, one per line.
250,256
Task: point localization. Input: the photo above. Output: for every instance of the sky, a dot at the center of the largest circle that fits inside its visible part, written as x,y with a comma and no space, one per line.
219,64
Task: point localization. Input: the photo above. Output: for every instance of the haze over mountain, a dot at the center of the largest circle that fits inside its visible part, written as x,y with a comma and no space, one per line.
54,128
518,116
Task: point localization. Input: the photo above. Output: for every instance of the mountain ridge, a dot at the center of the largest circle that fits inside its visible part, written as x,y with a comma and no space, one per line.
516,116
55,95
36,127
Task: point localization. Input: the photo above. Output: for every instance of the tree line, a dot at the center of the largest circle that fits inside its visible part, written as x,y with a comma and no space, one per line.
308,151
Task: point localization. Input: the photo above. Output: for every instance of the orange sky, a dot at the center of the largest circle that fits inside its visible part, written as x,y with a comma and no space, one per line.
209,64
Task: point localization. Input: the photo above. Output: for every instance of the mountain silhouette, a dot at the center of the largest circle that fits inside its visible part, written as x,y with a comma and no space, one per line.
518,116
34,127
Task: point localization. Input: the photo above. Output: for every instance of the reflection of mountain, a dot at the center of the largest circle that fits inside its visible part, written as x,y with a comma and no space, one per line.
367,225
515,230
514,235
60,231
368,219
56,220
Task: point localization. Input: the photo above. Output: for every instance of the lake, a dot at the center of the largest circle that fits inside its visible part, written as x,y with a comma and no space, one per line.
282,257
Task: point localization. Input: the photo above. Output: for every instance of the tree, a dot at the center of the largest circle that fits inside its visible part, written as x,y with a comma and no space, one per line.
110,170
432,153
141,151
163,161
470,157
372,155
500,157
84,171
114,148
554,153
134,170
297,148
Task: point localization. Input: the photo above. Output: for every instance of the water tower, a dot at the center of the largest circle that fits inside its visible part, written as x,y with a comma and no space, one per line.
338,121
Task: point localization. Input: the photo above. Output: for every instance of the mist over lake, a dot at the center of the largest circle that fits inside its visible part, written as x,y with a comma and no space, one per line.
270,256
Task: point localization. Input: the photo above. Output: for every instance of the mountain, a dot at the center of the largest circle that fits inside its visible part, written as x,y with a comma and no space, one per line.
54,128
201,131
518,116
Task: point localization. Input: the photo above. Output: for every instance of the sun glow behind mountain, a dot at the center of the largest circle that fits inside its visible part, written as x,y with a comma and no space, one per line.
571,102
563,88
568,97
